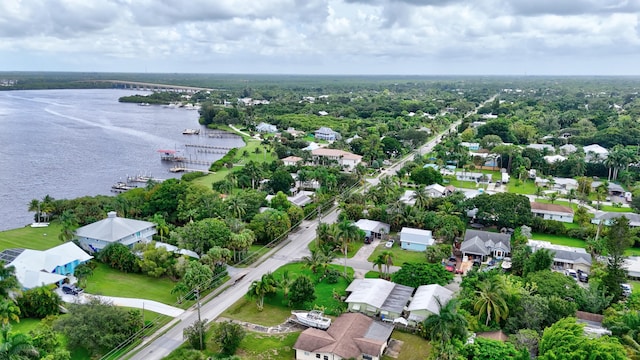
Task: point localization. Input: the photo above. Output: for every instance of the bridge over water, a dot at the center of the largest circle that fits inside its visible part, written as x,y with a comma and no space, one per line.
144,86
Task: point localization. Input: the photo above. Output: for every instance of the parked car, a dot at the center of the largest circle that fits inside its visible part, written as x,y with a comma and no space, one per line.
71,290
572,273
477,262
450,266
367,240
389,244
583,276
626,289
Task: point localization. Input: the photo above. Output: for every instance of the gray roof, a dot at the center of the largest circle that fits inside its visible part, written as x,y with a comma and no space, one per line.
614,215
379,293
479,242
113,228
379,331
615,187
572,257
425,298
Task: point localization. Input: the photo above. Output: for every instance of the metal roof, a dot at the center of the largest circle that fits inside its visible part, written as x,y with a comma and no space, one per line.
425,298
113,228
379,293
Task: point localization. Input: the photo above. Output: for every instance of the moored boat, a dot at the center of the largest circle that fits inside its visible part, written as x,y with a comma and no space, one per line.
313,318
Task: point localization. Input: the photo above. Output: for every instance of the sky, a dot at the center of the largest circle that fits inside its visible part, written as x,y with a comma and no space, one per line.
404,37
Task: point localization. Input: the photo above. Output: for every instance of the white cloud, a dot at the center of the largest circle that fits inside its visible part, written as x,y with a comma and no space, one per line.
322,36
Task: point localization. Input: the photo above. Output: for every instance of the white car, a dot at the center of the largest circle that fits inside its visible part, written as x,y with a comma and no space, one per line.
572,273
626,289
389,244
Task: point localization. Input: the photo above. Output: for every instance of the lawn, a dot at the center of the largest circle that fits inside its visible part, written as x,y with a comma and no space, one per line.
110,282
246,310
352,249
399,256
25,325
260,346
560,240
462,184
31,238
572,205
413,348
518,187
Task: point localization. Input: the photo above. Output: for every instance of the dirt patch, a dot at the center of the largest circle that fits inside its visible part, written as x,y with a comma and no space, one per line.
393,350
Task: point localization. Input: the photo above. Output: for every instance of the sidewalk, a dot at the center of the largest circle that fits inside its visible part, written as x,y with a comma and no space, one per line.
146,304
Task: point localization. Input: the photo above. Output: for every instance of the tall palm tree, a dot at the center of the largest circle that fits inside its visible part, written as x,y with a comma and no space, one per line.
34,205
490,301
552,197
387,257
161,225
8,280
422,197
379,262
571,194
15,346
347,232
69,223
236,206
446,325
317,261
284,283
260,288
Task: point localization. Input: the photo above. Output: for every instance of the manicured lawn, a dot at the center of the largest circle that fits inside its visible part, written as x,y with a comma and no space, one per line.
572,205
632,251
353,249
413,348
399,256
462,184
246,310
111,282
560,240
610,208
372,275
260,346
521,187
25,325
635,285
31,238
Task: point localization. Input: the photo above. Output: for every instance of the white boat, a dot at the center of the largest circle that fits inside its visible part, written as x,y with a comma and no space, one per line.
313,318
39,224
191,132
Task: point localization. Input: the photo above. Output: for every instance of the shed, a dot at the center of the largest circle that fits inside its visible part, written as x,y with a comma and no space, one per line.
415,239
373,229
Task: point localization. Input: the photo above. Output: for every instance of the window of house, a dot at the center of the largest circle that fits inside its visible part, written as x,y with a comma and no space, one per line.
326,357
318,356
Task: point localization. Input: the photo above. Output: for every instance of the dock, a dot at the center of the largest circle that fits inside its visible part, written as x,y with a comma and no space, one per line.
221,135
178,169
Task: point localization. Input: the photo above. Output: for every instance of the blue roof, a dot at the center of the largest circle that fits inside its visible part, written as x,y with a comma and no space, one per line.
433,166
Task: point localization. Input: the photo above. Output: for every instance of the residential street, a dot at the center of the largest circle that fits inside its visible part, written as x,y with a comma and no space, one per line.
296,248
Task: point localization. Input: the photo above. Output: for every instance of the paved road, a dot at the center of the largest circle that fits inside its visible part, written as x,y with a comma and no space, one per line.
294,250
145,304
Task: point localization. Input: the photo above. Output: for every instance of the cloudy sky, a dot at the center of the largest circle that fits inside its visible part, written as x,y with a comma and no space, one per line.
511,37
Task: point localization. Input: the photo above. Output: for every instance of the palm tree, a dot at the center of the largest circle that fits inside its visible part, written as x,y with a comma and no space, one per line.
8,280
379,261
445,325
315,261
387,257
571,194
285,282
69,223
236,206
490,301
347,232
15,346
161,225
601,193
34,205
539,191
422,197
9,311
260,288
552,197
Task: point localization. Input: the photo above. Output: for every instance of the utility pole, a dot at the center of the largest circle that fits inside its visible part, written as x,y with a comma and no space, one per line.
319,208
199,320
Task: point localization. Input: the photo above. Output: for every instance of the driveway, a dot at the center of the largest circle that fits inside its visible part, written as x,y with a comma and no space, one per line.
146,304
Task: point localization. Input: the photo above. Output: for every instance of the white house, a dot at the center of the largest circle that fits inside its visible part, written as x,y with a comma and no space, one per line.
35,268
408,197
266,128
345,159
425,302
632,264
291,160
552,212
378,297
541,147
473,176
595,153
565,183
564,257
606,218
568,149
94,237
436,190
471,146
325,133
415,239
550,159
373,229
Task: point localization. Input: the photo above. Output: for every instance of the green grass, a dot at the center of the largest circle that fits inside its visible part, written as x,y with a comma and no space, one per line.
353,249
111,282
632,251
572,205
635,285
246,310
413,347
399,256
31,238
560,240
372,275
260,346
25,325
463,184
610,208
524,187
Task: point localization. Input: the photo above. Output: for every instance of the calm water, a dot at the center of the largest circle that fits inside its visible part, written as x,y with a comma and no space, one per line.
72,143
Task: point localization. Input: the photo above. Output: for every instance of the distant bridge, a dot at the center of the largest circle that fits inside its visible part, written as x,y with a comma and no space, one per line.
144,86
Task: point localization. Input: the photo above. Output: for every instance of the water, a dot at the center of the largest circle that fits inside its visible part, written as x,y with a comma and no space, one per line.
72,143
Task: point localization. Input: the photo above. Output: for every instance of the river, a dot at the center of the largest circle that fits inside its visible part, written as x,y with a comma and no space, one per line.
72,143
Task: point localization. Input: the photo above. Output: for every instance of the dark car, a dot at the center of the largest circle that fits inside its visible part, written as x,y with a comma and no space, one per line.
477,262
367,240
583,276
71,289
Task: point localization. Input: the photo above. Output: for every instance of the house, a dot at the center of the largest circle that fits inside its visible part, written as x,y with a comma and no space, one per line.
350,336
471,146
606,218
375,297
415,239
477,124
542,182
632,264
408,197
473,176
95,236
325,133
266,128
541,147
427,301
294,132
550,159
595,153
480,244
301,199
615,189
565,183
345,159
568,149
373,229
564,257
552,212
35,268
323,113
291,160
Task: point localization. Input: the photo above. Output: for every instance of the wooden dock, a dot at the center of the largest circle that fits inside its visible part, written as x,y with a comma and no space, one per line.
178,169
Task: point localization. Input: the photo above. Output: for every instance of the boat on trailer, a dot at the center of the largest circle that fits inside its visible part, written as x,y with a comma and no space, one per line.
313,318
